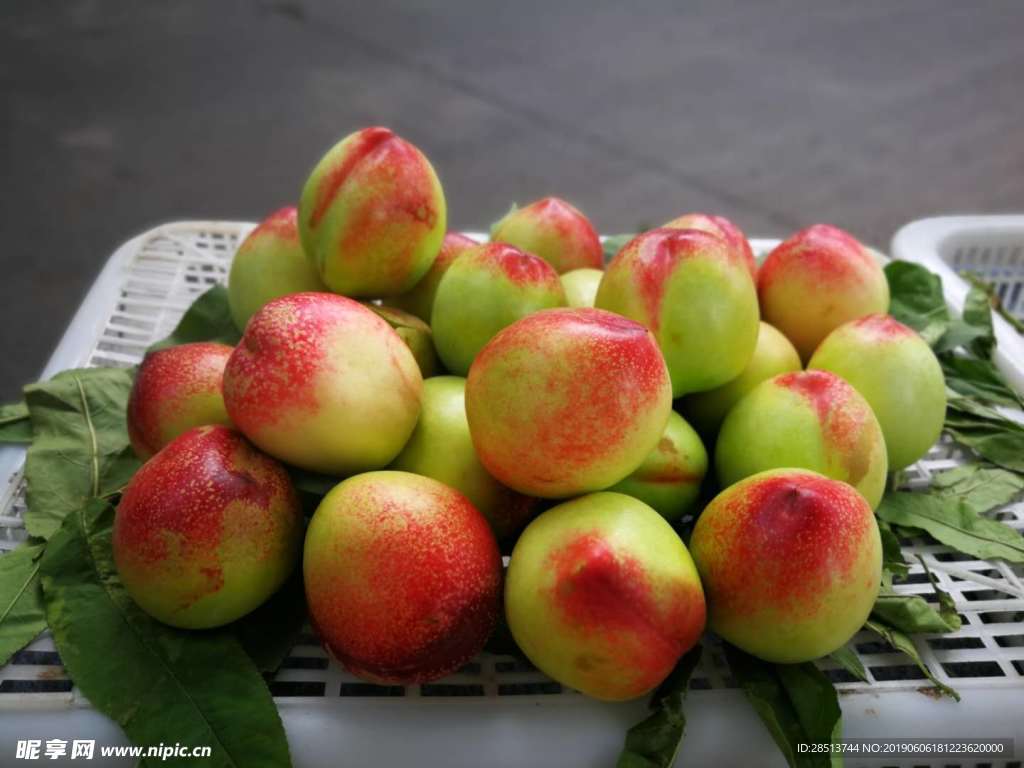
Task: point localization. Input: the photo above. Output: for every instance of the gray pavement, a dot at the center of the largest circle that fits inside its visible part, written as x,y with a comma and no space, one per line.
116,116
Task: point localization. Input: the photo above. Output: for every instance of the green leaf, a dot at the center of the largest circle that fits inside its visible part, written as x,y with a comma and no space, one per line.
80,448
902,642
965,412
912,614
269,633
613,244
208,319
977,315
796,702
21,603
15,425
954,523
847,658
160,684
892,552
81,445
978,379
916,299
947,608
654,742
980,486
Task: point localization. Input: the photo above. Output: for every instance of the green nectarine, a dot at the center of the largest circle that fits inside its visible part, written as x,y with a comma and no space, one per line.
441,448
669,478
774,354
269,263
811,420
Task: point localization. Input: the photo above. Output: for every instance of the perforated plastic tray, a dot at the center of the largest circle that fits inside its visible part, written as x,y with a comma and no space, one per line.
497,711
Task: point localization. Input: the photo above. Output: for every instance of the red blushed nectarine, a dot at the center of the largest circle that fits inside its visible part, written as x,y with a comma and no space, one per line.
694,291
175,389
553,230
791,563
206,530
403,577
601,594
322,382
721,226
567,401
372,215
818,279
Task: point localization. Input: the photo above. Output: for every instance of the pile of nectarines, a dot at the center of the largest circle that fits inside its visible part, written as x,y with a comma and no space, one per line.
517,396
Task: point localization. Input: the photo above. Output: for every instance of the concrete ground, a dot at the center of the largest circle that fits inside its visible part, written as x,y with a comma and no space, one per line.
116,116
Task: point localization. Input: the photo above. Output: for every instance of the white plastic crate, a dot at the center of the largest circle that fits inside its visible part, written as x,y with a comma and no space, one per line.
498,711
988,247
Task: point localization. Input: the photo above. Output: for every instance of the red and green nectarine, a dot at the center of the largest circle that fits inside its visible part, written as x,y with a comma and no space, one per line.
324,383
553,230
791,563
567,401
206,530
175,389
403,577
602,596
372,215
694,291
898,374
486,289
269,263
809,420
818,279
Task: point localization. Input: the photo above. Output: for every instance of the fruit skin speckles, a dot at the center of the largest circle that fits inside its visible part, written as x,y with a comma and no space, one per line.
811,420
372,215
602,595
791,563
694,292
322,382
175,389
567,401
403,577
818,279
206,530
